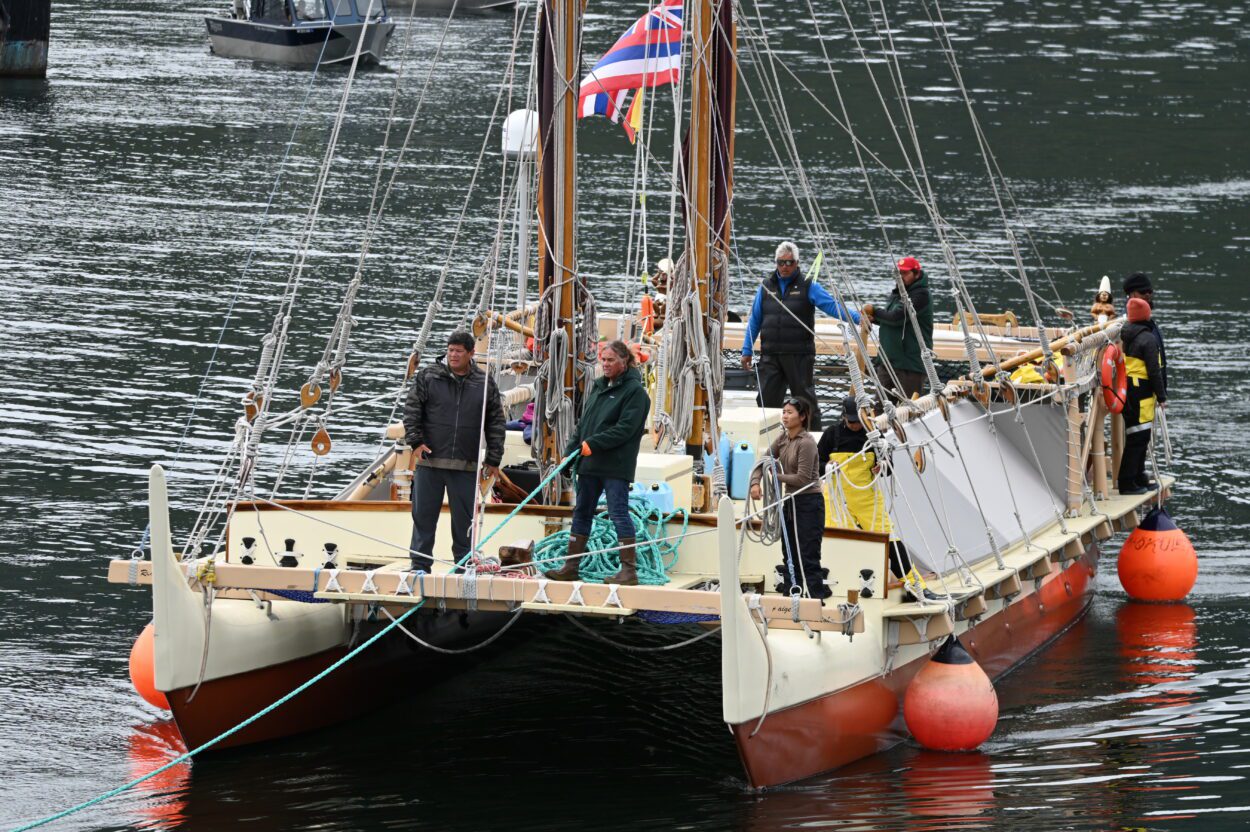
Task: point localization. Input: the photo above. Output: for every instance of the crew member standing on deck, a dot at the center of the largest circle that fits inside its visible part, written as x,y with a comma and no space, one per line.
784,317
608,437
803,509
1137,285
861,504
897,336
443,425
1146,390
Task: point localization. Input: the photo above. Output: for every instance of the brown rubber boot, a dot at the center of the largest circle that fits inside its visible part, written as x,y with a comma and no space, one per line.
628,576
570,570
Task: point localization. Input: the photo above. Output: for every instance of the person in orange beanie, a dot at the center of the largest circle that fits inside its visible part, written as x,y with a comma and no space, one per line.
1146,390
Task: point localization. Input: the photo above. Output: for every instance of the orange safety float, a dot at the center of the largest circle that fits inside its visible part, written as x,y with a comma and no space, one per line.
1114,379
143,668
950,705
1157,561
646,313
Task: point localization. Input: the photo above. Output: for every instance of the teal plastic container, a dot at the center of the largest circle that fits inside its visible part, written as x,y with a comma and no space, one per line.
742,460
659,495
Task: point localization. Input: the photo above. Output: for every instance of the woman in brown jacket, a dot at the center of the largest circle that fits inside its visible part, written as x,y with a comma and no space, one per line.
803,509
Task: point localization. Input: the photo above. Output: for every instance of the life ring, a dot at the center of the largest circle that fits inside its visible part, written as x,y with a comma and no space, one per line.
1114,379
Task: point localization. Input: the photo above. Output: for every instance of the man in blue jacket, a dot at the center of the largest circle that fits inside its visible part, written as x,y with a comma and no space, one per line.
783,316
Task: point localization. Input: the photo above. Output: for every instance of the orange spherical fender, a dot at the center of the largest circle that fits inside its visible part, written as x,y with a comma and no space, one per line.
640,355
1157,562
143,668
951,705
1114,379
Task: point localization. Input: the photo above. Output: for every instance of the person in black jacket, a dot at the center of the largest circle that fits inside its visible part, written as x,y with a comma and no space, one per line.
443,424
1146,390
1137,285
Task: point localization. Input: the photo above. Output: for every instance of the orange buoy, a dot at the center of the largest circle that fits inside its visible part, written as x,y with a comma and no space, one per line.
1157,562
143,668
951,705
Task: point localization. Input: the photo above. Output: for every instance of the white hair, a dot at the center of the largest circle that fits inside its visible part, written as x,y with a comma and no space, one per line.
789,248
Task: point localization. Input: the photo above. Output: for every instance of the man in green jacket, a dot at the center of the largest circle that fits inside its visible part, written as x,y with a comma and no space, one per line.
897,335
609,434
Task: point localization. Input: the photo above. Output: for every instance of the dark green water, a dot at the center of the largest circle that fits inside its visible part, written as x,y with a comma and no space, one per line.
133,184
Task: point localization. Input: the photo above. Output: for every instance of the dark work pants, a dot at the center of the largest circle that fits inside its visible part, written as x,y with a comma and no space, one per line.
428,485
1132,473
900,559
912,383
588,490
804,520
793,372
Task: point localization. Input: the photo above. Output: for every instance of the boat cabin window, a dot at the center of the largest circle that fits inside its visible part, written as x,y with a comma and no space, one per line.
310,10
343,8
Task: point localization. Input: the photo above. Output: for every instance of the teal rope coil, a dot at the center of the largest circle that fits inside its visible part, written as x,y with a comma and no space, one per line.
655,553
297,691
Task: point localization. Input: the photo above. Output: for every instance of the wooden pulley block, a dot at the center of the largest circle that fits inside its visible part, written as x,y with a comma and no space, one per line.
944,406
480,325
1008,391
981,392
336,378
919,458
321,441
897,427
413,361
309,394
252,404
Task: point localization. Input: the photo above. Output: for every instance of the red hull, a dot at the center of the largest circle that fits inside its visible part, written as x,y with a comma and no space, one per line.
223,703
845,726
387,670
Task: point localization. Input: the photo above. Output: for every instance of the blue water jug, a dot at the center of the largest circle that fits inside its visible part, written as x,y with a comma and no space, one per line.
742,461
659,495
726,454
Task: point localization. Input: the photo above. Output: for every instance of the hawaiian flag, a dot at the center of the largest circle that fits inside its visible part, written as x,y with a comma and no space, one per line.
647,55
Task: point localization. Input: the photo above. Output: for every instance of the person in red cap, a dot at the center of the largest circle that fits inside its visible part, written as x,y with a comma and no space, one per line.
1146,389
899,344
1137,285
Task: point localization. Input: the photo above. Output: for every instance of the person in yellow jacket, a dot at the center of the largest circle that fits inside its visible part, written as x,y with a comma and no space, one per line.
853,499
1146,390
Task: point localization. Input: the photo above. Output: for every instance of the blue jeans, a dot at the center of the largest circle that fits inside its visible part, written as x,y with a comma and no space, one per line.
588,490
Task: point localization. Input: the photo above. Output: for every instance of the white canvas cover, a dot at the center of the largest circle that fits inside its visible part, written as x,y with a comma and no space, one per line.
961,499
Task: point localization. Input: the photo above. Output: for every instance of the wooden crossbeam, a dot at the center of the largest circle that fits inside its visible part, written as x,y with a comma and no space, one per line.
489,588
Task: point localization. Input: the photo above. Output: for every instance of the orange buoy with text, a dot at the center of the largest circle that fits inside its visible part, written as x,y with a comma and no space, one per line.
1157,562
143,668
951,705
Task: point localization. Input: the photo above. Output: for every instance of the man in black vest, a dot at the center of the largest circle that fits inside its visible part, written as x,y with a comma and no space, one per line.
784,317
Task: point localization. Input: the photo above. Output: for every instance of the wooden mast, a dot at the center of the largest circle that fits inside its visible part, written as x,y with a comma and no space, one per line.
558,82
709,181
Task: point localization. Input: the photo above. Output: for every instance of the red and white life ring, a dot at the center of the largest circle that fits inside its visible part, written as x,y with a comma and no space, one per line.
1114,379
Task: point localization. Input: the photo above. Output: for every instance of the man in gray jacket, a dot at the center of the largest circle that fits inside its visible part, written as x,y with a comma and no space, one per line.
444,425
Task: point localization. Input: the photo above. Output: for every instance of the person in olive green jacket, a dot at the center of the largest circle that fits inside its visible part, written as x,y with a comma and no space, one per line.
897,335
609,435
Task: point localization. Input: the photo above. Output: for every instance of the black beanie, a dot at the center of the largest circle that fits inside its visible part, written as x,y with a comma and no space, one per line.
1136,282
